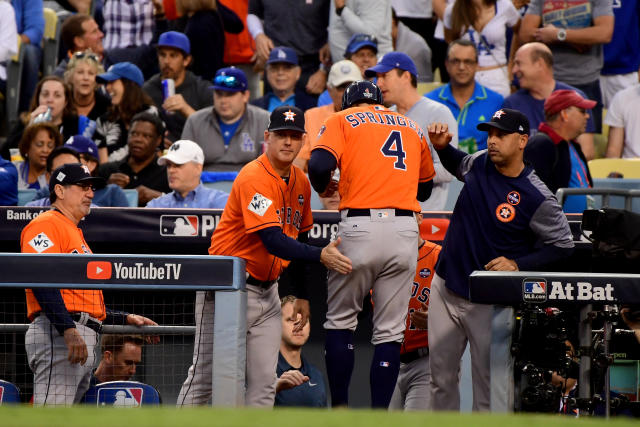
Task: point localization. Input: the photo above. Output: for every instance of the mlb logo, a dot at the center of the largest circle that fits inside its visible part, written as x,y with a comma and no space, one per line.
534,290
121,397
179,225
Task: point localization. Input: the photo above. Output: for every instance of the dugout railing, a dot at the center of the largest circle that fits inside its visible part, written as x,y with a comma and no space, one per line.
223,277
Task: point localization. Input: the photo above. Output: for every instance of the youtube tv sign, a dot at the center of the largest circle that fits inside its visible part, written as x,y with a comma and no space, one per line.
99,270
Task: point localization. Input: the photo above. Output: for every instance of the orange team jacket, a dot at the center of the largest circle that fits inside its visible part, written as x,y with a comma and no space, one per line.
420,290
53,233
313,119
381,154
260,198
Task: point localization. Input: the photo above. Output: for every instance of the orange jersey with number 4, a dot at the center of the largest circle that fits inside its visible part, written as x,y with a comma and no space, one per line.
260,198
381,154
420,289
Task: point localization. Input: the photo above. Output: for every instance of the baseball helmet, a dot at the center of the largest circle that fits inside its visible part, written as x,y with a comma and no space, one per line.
361,91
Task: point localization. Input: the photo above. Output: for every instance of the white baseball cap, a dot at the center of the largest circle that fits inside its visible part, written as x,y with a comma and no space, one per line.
181,152
344,71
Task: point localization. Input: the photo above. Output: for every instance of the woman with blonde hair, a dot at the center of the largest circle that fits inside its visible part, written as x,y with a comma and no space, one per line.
80,75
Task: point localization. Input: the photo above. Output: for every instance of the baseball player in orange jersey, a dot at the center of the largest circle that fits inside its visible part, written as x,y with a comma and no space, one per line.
65,323
385,166
412,390
267,210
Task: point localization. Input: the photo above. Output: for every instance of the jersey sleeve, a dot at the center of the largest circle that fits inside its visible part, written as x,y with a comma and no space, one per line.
331,136
258,204
427,171
41,237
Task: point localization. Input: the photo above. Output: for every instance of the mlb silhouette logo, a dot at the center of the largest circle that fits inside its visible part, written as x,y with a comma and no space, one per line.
179,225
122,397
9,393
534,290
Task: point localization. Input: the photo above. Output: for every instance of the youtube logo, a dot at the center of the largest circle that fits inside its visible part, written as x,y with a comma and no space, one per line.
99,270
434,229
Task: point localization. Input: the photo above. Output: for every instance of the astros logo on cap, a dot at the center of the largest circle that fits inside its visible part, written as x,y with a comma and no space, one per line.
289,115
498,114
505,212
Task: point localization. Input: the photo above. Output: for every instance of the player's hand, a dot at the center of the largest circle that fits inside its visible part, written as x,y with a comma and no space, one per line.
145,194
419,317
330,190
176,103
118,178
317,82
77,348
137,320
290,379
501,264
301,308
439,135
333,259
263,47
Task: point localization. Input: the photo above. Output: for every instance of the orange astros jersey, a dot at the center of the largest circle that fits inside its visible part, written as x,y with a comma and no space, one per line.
260,198
381,154
420,290
51,232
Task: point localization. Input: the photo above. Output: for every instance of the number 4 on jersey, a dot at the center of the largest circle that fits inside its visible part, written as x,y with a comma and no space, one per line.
392,147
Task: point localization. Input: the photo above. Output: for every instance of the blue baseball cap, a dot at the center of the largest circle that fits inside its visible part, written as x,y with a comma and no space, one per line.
82,144
122,70
358,41
283,54
175,40
390,61
230,79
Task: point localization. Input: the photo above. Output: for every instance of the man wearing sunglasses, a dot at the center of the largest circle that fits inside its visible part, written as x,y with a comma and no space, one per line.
231,132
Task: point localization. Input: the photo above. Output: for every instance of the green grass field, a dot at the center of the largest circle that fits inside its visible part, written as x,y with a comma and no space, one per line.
157,417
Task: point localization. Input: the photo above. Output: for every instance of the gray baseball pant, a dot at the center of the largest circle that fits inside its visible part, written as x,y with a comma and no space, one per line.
412,392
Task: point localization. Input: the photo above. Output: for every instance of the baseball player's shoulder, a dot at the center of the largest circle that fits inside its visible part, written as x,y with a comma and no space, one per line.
42,233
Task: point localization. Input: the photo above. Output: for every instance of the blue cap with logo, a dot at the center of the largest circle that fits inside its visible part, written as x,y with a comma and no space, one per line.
176,40
390,61
122,70
358,41
82,144
283,54
230,79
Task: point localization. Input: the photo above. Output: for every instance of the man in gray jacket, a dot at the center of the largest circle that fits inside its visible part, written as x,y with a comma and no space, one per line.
231,132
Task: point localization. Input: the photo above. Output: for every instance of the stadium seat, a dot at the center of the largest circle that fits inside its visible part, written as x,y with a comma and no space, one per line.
424,88
621,184
129,394
9,393
132,197
14,84
219,180
50,41
25,196
601,168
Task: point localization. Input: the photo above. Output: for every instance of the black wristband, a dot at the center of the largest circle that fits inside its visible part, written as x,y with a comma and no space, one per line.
339,10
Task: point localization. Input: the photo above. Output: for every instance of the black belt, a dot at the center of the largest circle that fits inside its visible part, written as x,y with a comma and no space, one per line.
83,319
367,212
414,355
265,284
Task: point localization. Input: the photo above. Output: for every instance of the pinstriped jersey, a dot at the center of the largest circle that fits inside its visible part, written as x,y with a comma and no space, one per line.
259,199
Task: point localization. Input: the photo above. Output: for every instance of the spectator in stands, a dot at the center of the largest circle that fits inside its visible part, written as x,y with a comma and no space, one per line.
124,84
349,17
623,118
37,142
51,93
184,161
407,41
8,40
231,132
191,92
299,382
282,73
553,152
301,26
622,53
493,17
88,98
575,33
469,101
8,183
341,75
30,23
398,81
361,50
79,33
140,168
206,23
120,356
533,67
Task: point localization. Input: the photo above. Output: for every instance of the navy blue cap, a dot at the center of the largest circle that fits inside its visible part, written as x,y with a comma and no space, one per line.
283,54
82,144
74,173
507,120
358,41
230,79
122,70
175,40
286,117
390,61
